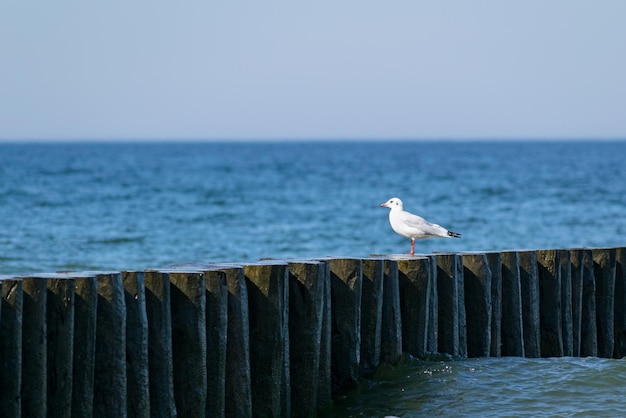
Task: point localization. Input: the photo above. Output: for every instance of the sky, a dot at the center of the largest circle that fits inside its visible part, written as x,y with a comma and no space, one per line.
414,69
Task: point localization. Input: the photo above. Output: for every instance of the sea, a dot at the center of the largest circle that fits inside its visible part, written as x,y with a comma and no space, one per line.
138,205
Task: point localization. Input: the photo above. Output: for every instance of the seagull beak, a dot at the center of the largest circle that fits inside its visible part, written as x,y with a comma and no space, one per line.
383,204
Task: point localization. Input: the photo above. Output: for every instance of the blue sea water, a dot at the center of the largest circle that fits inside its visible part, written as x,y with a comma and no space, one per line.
144,205
127,206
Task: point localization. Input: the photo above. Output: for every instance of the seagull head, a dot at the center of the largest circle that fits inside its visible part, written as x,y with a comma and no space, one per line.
393,203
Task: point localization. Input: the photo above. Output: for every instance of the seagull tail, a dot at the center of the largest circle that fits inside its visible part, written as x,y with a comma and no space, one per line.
454,234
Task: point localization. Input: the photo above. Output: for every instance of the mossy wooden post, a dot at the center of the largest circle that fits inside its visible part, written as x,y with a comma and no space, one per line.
160,357
604,270
346,280
414,274
588,324
620,303
512,325
238,380
577,269
551,323
110,395
371,313
452,319
391,325
34,347
85,316
137,363
60,328
11,347
306,314
529,279
566,303
189,350
495,266
478,305
216,340
268,304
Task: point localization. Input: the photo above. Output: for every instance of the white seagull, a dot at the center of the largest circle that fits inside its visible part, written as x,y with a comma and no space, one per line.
413,226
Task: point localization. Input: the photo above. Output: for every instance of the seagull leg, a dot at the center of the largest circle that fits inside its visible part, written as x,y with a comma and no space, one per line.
412,247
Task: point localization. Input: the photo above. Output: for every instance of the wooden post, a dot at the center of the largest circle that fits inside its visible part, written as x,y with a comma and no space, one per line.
452,322
620,303
216,340
268,304
495,266
577,268
391,331
137,362
306,315
189,350
371,313
478,305
346,280
60,328
160,357
604,270
566,303
11,347
549,269
588,325
34,347
238,380
110,395
529,279
415,279
512,325
83,370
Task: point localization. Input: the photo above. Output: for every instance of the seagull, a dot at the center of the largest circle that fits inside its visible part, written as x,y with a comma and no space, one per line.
413,226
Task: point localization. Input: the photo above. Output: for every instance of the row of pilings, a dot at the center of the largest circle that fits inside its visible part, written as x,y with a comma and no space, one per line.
282,337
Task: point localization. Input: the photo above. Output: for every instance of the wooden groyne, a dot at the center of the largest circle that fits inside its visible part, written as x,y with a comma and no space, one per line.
282,337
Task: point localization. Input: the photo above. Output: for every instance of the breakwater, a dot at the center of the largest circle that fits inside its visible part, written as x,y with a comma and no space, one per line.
282,337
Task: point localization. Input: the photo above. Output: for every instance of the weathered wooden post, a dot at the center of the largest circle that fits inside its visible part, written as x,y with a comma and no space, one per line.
346,280
34,347
110,395
85,318
414,274
391,331
60,328
577,268
551,325
451,292
238,380
529,279
137,363
268,304
371,313
495,266
604,270
324,390
566,303
189,352
512,324
478,305
620,303
11,347
216,340
432,344
306,314
588,324
160,357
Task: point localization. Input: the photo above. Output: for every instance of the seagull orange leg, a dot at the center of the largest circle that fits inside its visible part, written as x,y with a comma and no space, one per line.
412,247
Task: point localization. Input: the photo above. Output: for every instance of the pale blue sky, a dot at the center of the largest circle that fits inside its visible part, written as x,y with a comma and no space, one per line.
81,69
